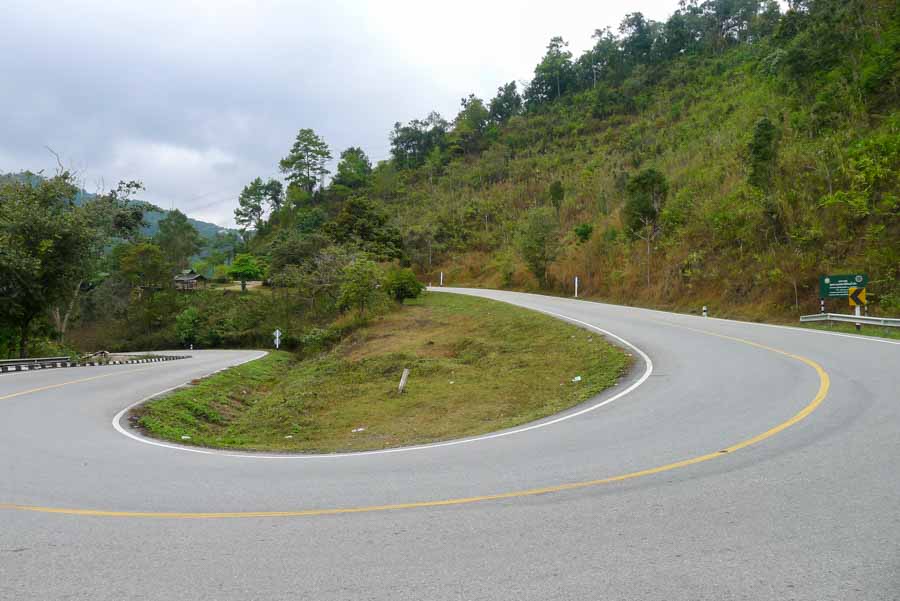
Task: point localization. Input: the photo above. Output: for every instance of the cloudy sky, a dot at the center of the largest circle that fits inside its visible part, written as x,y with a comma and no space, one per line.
196,98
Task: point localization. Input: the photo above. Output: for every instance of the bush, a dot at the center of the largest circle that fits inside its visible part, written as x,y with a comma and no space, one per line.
186,325
401,284
584,231
360,285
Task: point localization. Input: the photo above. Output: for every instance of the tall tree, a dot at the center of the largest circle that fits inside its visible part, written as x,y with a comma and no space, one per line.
178,239
305,163
539,241
46,249
354,170
506,104
553,76
411,144
250,205
470,124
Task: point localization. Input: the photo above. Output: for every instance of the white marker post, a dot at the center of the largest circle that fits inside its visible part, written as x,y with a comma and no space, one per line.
856,312
576,286
277,334
705,314
442,278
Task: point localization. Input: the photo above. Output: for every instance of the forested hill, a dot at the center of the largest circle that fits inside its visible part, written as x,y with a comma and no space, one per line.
727,156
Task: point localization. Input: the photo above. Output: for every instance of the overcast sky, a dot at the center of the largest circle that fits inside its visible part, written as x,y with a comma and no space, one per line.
196,98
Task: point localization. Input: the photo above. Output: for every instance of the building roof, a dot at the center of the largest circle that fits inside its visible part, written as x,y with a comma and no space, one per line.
189,275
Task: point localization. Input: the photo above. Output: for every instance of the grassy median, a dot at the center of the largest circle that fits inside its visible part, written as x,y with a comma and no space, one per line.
475,366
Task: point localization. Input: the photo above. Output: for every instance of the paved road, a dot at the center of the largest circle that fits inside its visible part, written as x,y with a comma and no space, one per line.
804,505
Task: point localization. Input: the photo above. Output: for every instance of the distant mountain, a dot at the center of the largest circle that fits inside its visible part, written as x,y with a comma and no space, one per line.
152,213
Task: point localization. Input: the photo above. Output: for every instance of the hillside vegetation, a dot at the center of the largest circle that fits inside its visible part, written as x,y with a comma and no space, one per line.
726,157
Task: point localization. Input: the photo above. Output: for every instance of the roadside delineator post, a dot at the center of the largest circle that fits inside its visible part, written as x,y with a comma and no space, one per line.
442,278
403,379
705,314
576,286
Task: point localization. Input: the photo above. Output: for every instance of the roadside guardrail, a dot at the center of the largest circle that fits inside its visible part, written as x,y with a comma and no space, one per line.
890,322
10,365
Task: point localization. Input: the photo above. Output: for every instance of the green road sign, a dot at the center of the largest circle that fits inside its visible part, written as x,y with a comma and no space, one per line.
838,286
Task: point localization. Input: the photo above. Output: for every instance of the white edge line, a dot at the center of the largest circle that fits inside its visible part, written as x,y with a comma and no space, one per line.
860,337
647,371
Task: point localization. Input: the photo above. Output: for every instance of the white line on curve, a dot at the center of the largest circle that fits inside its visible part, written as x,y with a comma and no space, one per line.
648,369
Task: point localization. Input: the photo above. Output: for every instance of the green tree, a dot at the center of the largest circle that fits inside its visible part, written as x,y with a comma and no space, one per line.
253,200
401,284
506,104
553,76
305,163
360,285
763,153
178,239
354,170
144,266
538,241
187,324
470,125
646,193
46,250
557,194
244,268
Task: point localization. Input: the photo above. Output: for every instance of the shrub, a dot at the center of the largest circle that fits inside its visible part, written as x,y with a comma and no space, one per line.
584,231
401,284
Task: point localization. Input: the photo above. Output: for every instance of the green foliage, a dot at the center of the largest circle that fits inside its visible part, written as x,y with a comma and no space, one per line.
354,169
186,326
362,223
361,286
244,268
253,200
178,239
144,266
557,194
762,153
304,166
46,249
584,231
538,242
401,284
646,193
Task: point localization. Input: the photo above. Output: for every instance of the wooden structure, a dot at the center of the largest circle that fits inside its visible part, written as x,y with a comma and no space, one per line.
189,280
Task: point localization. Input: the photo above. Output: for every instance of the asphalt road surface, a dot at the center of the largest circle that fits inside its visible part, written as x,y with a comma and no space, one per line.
743,462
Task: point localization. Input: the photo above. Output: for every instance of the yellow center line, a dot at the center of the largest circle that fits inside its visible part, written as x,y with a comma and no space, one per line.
61,384
824,385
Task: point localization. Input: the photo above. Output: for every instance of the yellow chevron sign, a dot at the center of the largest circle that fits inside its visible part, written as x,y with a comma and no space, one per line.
857,296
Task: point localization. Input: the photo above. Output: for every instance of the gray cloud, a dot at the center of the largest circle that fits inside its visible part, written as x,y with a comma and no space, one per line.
197,98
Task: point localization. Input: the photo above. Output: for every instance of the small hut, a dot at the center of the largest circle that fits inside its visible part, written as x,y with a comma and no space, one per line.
189,280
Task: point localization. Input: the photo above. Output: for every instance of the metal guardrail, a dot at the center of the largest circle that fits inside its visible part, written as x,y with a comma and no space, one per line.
13,365
890,322
32,360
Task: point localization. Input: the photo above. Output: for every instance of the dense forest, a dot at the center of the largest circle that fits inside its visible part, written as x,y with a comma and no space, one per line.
725,157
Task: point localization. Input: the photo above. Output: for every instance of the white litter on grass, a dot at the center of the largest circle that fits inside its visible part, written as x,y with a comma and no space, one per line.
452,382
355,430
576,379
185,438
289,436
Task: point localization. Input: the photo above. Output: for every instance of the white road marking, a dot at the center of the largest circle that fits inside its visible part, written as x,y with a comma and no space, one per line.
648,369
